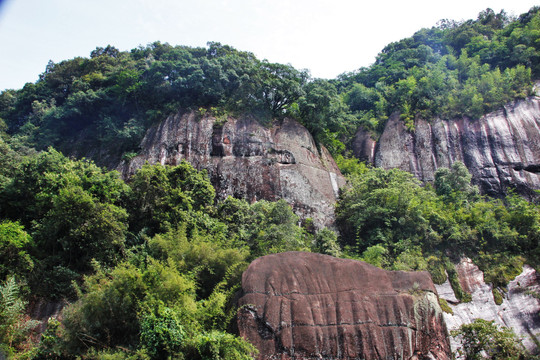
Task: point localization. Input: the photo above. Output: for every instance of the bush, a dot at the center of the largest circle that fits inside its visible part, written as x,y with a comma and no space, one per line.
162,334
219,346
485,337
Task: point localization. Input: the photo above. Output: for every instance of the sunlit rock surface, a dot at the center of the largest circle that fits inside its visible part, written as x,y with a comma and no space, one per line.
310,306
501,150
247,160
519,310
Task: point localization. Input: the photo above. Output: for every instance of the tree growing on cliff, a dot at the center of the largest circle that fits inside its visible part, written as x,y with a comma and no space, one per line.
483,339
454,183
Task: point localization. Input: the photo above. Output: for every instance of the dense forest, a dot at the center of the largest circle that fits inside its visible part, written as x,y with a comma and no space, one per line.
150,267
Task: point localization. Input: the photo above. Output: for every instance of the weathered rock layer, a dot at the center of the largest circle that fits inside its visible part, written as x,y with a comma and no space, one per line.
520,309
247,160
311,306
501,150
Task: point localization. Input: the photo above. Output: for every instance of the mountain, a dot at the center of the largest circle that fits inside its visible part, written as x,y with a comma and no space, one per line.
185,168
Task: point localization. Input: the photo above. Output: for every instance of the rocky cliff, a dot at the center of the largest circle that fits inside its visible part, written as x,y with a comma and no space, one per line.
312,306
501,150
520,309
248,160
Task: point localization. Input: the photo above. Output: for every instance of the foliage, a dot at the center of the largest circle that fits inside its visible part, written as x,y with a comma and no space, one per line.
482,336
163,196
410,259
115,95
152,266
450,70
161,332
445,307
266,227
437,269
326,242
73,211
14,245
391,221
350,165
219,345
201,256
453,278
375,255
14,324
453,69
500,268
388,208
50,344
106,315
454,184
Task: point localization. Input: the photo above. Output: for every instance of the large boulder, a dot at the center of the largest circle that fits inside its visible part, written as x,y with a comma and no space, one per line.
310,306
248,160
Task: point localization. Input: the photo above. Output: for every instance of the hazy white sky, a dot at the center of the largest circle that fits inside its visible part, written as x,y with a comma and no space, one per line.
325,37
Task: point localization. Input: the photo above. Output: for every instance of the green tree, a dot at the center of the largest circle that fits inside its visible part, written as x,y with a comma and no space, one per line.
164,195
14,245
326,242
161,333
455,183
482,336
206,259
79,228
390,208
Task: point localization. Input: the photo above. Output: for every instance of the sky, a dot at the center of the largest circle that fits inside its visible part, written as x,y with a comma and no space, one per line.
327,37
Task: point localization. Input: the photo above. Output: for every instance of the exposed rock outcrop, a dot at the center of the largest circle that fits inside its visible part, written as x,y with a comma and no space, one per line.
311,306
520,309
501,150
247,160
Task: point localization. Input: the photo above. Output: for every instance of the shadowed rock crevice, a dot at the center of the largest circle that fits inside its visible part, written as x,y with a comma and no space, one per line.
312,306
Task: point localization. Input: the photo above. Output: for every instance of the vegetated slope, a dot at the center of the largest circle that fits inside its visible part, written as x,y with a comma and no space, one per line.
157,260
452,70
150,267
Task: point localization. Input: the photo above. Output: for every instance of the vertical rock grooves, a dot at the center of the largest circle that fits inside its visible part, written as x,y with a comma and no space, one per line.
312,306
501,149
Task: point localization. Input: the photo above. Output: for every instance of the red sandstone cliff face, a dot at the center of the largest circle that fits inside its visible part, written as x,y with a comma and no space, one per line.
247,160
311,306
501,150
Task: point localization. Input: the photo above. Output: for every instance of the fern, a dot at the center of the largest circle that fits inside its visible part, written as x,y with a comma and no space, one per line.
13,324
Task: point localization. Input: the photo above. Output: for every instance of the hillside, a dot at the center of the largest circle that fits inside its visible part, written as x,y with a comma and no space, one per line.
223,159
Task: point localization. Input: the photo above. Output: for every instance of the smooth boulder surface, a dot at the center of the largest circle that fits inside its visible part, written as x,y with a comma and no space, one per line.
310,306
